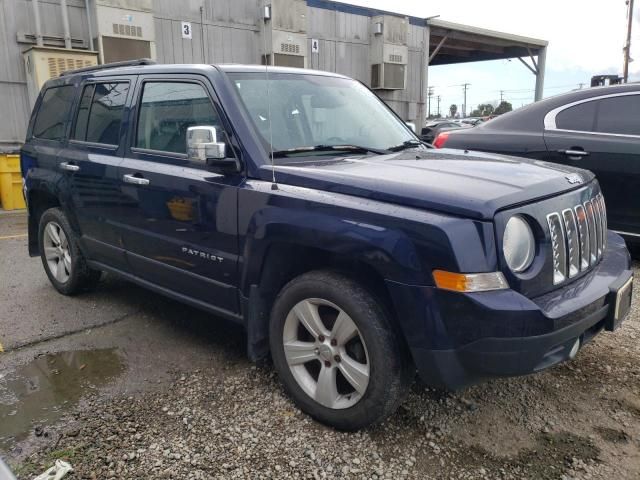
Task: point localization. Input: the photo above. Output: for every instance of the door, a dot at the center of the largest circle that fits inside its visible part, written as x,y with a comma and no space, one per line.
91,160
180,220
603,135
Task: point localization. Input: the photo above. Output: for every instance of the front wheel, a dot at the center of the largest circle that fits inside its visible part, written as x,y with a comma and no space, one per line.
335,351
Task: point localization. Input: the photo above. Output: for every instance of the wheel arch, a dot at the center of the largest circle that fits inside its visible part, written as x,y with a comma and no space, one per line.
38,201
284,261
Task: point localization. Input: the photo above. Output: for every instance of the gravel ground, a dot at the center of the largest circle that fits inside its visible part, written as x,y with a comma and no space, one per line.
577,420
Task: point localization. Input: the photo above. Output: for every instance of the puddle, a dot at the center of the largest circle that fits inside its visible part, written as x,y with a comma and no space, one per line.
42,391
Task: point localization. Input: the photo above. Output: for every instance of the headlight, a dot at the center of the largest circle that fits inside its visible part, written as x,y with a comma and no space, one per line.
518,244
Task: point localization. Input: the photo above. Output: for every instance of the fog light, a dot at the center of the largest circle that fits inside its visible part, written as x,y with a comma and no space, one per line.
574,349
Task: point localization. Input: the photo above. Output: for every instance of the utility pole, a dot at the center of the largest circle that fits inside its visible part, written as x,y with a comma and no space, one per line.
438,98
465,86
501,95
627,43
429,95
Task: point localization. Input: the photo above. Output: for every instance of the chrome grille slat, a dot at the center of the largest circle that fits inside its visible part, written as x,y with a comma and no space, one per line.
573,246
583,231
603,213
598,219
593,234
559,248
578,238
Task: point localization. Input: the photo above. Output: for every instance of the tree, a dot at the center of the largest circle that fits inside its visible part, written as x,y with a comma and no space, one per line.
453,109
483,110
504,107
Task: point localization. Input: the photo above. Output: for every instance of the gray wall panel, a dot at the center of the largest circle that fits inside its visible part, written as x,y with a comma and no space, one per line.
231,34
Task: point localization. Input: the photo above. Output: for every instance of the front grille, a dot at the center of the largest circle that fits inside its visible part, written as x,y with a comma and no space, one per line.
578,238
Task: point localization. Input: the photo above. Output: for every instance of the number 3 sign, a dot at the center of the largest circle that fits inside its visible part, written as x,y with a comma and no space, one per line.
186,30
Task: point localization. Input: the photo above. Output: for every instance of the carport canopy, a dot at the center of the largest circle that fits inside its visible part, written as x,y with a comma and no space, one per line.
451,43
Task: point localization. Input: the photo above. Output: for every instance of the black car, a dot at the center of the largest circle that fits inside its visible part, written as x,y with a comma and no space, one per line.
432,129
597,129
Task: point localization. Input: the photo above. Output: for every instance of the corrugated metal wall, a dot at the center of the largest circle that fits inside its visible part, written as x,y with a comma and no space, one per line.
229,27
224,31
15,19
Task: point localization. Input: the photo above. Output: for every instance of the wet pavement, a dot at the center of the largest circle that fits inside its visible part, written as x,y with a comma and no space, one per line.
42,391
120,339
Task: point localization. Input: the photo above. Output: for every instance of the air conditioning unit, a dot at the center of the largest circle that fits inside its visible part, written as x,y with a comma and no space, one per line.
125,30
389,52
286,30
43,63
388,76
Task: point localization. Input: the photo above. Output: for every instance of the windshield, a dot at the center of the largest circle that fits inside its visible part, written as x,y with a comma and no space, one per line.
311,110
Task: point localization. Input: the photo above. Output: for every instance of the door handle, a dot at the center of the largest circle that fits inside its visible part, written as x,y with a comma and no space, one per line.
70,167
135,180
574,154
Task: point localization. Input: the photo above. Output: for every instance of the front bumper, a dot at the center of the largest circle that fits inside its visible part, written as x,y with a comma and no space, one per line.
460,339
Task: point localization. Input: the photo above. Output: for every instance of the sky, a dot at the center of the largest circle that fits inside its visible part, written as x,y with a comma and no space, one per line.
585,38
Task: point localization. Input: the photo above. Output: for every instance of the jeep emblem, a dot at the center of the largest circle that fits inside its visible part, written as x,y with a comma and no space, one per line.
574,178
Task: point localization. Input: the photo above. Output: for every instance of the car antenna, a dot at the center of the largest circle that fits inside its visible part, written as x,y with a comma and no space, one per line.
274,185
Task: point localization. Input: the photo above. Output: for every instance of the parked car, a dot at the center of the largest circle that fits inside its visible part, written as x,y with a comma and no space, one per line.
430,131
597,129
309,213
471,121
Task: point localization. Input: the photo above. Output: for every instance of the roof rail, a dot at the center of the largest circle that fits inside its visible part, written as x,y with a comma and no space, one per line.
127,63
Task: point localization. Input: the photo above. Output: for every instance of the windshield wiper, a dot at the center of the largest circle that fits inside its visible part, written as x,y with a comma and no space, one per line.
406,145
329,148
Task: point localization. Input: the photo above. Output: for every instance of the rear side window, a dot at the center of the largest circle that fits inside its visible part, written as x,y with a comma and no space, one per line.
581,118
53,115
100,113
167,109
619,115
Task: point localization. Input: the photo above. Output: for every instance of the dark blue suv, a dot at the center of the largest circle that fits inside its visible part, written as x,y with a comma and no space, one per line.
297,204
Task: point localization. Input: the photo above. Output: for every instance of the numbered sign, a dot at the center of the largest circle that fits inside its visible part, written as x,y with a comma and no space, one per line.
315,47
186,30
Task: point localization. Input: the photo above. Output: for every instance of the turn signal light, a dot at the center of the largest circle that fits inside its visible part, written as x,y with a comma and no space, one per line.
470,282
441,139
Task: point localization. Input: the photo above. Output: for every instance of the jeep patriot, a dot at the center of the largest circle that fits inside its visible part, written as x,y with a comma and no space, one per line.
299,205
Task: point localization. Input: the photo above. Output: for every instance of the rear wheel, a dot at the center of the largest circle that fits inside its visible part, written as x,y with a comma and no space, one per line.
335,351
61,257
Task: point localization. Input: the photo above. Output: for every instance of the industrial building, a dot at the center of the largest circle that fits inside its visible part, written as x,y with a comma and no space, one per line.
388,51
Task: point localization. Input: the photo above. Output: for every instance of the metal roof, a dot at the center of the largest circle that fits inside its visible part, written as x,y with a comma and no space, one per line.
456,43
463,43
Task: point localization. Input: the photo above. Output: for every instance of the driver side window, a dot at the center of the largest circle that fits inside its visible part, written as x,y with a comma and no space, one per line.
167,109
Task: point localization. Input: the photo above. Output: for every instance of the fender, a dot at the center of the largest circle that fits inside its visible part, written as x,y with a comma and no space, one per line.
401,244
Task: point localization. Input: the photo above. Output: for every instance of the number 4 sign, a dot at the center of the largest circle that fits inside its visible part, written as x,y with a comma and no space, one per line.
186,30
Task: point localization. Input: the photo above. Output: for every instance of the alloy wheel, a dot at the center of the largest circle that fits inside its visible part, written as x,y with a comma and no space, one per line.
326,353
56,252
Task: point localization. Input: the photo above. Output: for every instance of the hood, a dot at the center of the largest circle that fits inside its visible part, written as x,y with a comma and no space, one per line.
470,184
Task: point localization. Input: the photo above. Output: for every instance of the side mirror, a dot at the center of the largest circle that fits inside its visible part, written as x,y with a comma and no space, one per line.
203,146
412,126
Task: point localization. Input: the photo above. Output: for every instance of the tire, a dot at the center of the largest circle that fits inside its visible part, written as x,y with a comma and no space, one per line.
370,371
62,259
